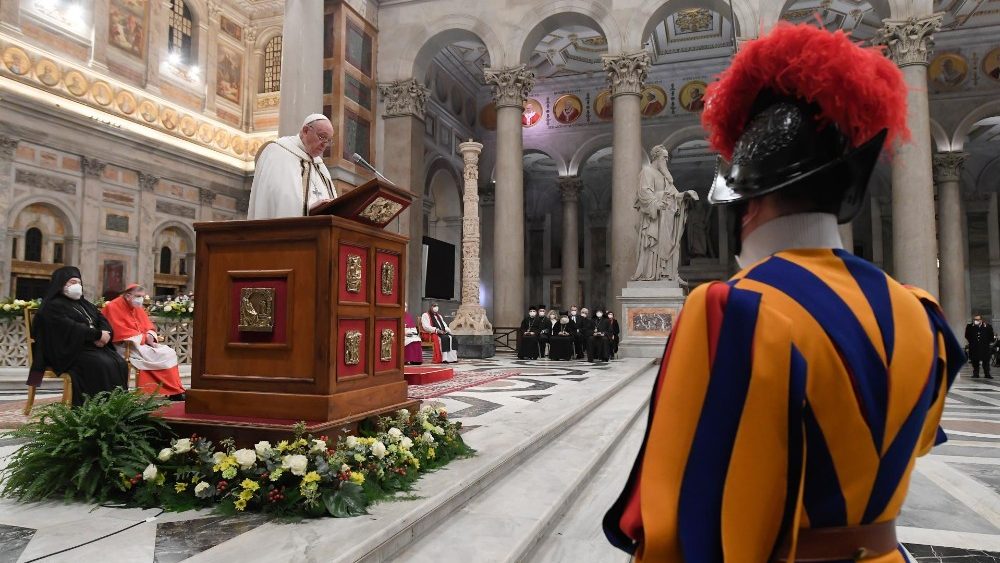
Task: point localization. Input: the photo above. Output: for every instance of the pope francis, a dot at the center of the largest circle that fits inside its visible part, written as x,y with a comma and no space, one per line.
290,176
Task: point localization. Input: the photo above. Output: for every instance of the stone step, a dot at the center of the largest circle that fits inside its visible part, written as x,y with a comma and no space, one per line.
393,526
512,516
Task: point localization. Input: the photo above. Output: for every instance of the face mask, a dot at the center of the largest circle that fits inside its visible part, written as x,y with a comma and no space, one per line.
584,315
435,309
564,321
599,315
74,291
978,323
532,314
573,312
137,301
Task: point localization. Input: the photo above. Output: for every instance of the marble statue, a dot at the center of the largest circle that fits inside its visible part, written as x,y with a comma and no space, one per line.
662,214
699,230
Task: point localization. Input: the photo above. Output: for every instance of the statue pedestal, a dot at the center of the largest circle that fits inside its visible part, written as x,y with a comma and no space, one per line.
649,310
473,333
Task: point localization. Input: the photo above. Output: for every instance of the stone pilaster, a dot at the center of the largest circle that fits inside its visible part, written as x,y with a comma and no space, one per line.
914,240
147,222
403,98
301,64
7,147
99,54
511,87
993,241
947,175
206,198
470,319
598,264
626,73
569,191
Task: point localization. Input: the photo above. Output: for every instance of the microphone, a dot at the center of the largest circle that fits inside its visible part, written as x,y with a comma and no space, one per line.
361,160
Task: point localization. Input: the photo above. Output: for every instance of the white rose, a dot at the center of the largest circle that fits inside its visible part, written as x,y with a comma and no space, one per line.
427,438
345,468
246,458
395,433
149,473
351,442
190,308
263,449
378,450
200,488
168,307
406,443
318,446
403,413
165,454
295,463
217,457
6,307
183,446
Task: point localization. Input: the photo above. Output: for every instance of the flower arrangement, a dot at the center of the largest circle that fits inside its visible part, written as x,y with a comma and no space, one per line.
305,476
181,307
11,307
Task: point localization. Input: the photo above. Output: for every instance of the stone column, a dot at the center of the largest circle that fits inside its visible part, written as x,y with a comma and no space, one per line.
90,219
534,250
948,175
878,247
598,260
7,147
510,90
253,75
147,221
569,189
626,74
993,238
301,64
403,103
914,244
473,331
486,267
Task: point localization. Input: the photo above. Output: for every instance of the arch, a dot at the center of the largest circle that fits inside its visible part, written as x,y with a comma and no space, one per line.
63,213
645,18
414,63
185,230
269,65
561,166
988,172
187,23
961,136
939,136
441,164
538,23
683,135
267,34
586,150
444,191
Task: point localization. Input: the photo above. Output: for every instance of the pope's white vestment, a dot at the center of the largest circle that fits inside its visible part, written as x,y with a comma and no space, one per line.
287,181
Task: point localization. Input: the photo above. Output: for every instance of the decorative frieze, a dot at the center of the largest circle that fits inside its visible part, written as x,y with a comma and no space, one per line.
403,98
45,181
948,166
910,41
170,208
511,86
627,72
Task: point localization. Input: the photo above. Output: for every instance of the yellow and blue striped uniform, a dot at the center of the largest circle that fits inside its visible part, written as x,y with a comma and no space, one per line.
796,395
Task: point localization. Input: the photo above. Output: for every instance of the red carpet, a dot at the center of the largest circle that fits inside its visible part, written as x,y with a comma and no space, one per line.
425,376
462,380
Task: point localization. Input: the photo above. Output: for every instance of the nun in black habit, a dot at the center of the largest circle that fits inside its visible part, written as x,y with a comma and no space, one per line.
72,336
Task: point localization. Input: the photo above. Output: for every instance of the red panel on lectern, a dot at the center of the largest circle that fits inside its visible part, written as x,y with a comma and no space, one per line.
353,279
382,259
393,347
352,334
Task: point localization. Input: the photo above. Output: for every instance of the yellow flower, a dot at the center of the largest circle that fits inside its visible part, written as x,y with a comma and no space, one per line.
195,479
310,477
431,453
245,495
282,446
180,487
357,477
240,504
250,484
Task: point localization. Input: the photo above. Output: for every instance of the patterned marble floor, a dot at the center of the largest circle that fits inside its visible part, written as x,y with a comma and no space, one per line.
952,513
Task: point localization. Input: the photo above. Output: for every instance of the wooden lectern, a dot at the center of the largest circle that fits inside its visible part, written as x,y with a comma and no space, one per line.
301,318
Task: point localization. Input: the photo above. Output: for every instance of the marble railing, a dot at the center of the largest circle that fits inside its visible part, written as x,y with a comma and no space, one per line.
14,349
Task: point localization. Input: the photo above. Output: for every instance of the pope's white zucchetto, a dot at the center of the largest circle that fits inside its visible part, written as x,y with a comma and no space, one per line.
313,117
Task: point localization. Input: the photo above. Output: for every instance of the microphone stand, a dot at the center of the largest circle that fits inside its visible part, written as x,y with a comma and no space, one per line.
361,160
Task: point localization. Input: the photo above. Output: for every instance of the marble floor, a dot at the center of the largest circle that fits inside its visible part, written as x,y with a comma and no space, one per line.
952,513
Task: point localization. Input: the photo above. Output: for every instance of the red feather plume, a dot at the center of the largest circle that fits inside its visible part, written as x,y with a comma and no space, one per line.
857,88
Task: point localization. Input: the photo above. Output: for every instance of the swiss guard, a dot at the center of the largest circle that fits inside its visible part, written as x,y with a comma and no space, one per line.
793,399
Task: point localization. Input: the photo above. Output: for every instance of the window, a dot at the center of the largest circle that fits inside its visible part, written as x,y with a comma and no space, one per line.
57,253
165,259
13,249
272,65
179,36
33,245
182,267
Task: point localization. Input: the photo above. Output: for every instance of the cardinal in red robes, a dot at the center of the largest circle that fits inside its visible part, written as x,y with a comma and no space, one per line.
157,364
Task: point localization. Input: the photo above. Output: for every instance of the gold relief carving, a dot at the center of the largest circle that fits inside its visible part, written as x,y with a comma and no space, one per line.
17,60
205,133
238,145
221,139
352,348
76,83
101,93
147,110
381,210
385,344
353,281
168,117
126,102
47,72
388,276
189,126
256,309
255,147
693,20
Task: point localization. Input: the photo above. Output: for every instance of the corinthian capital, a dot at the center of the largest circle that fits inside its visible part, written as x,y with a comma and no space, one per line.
909,42
7,146
403,98
92,167
948,166
511,86
147,182
627,72
569,188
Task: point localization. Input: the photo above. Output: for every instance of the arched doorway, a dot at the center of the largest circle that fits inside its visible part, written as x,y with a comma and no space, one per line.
38,247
